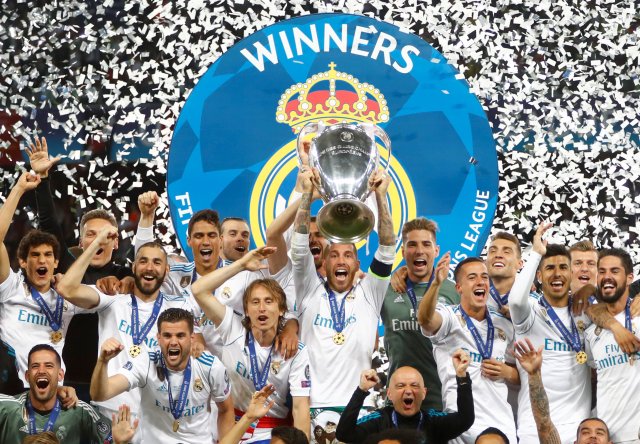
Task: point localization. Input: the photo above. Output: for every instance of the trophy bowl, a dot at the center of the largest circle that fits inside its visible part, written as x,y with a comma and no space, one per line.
345,155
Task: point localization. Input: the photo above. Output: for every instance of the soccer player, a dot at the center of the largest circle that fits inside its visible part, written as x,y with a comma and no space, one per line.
483,333
174,387
128,317
406,391
40,409
248,349
28,302
339,318
618,373
548,321
403,340
504,260
234,238
584,264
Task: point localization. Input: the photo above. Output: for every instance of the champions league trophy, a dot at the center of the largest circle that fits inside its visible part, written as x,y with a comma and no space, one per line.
345,155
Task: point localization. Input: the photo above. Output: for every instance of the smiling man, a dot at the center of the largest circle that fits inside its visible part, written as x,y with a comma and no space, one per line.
584,264
504,260
175,388
406,392
39,410
484,334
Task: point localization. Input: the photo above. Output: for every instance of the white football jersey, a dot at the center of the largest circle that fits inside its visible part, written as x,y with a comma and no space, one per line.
23,324
114,321
208,379
567,383
335,369
489,397
290,377
618,381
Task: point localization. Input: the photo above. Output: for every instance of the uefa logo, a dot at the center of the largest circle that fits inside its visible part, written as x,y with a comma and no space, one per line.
234,145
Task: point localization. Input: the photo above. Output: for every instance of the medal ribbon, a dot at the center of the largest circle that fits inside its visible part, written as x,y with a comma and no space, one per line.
178,406
495,294
259,378
138,334
394,419
48,427
55,318
573,338
484,348
337,315
194,275
412,293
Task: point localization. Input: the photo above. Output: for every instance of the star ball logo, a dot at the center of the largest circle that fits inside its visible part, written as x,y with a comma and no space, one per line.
234,145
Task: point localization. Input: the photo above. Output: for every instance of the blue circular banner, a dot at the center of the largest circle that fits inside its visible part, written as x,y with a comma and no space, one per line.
234,145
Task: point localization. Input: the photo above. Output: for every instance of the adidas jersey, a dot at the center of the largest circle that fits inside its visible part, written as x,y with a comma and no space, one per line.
335,369
567,383
114,314
290,377
618,381
209,379
79,425
489,397
20,313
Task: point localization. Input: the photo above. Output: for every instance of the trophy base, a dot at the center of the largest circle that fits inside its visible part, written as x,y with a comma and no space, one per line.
345,220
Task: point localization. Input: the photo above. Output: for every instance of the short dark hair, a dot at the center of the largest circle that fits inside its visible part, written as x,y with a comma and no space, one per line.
210,216
151,244
508,237
469,260
606,427
404,436
419,223
98,213
44,347
327,250
621,254
289,435
173,315
231,219
493,431
555,250
35,238
272,286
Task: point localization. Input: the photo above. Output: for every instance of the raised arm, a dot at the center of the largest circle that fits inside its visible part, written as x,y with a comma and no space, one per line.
429,319
258,407
349,429
519,294
275,236
531,360
70,286
104,387
147,204
379,183
26,182
203,288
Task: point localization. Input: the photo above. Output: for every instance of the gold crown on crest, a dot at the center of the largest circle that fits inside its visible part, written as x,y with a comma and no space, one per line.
345,100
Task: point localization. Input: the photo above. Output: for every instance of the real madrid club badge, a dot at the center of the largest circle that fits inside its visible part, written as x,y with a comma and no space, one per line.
56,336
597,331
501,334
275,367
580,325
198,385
176,425
581,357
339,338
134,350
226,292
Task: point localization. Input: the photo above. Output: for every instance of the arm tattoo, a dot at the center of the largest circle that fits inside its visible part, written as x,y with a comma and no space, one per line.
303,216
547,431
385,223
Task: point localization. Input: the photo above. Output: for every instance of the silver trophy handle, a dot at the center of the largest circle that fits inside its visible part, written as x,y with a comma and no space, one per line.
309,128
382,135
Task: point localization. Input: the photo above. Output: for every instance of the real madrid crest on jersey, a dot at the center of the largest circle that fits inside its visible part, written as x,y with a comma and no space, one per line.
580,325
598,330
275,367
501,334
185,281
198,385
461,320
334,68
226,292
65,305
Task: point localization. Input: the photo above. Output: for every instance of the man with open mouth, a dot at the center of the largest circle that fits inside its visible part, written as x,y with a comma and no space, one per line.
406,390
128,317
31,311
175,388
339,318
584,264
484,333
504,260
249,351
41,409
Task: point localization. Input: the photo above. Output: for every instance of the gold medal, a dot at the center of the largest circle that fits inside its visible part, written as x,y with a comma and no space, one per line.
56,336
134,350
339,338
581,357
176,425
